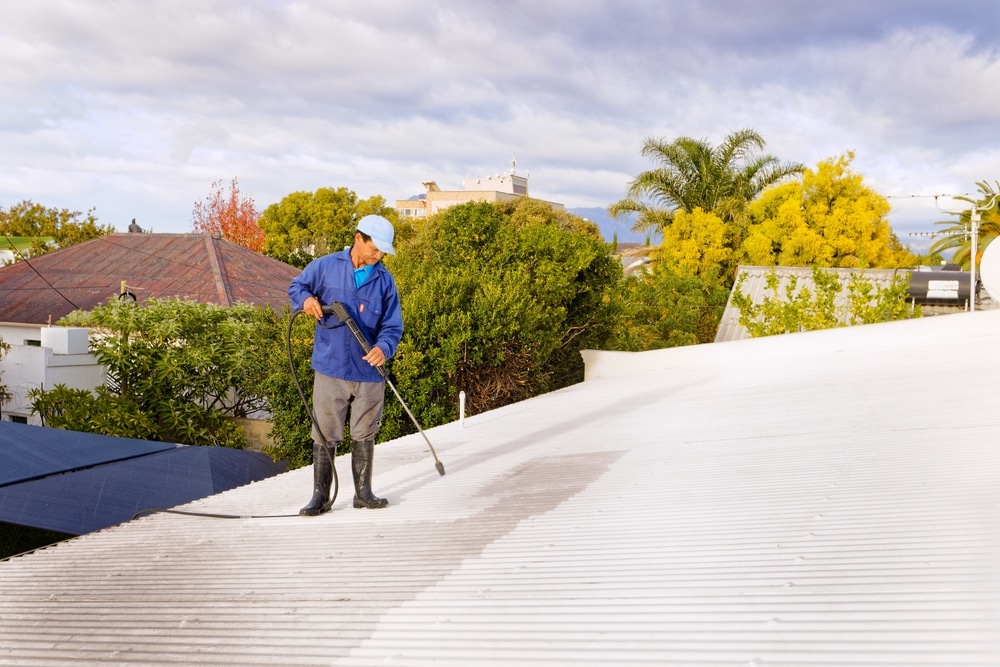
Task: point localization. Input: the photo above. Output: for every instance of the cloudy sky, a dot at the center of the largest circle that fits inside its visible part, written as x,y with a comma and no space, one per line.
134,108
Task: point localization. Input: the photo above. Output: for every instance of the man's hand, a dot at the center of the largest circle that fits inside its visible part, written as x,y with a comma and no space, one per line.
376,357
312,307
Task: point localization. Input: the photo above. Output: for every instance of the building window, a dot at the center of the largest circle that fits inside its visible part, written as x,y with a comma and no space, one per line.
32,343
18,419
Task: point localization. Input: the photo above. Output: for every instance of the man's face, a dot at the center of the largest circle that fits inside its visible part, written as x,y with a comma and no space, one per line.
367,252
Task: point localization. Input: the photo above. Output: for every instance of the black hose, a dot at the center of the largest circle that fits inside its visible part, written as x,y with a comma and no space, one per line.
312,415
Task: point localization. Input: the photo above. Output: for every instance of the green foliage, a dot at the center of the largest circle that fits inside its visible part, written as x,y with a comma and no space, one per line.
666,308
180,370
65,227
868,304
305,225
804,309
4,394
930,258
177,370
799,310
291,424
694,174
498,300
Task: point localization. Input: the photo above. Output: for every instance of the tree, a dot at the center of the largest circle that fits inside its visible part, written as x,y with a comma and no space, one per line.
63,226
498,301
177,371
829,219
668,308
694,174
4,394
231,214
805,309
304,225
699,244
956,237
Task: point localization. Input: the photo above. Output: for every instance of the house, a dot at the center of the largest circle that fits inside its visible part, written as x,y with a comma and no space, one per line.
822,498
35,294
200,267
488,188
636,258
40,357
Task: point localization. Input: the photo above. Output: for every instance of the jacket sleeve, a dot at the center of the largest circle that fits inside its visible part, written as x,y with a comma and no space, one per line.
302,287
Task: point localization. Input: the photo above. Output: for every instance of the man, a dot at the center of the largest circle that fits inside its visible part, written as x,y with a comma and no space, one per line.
345,377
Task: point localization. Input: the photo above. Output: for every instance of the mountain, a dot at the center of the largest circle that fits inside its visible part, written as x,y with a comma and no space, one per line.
609,226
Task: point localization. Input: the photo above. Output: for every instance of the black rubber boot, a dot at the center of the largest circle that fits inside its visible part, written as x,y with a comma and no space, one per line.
362,454
322,478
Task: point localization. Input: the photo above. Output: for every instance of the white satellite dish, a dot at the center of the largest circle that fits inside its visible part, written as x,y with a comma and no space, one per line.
989,270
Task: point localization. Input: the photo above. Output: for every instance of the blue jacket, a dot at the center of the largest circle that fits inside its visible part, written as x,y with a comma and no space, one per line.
374,306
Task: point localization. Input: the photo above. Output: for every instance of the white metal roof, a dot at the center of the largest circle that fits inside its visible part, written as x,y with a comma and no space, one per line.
826,498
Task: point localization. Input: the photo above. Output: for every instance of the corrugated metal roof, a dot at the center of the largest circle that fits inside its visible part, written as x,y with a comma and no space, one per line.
755,286
825,498
200,267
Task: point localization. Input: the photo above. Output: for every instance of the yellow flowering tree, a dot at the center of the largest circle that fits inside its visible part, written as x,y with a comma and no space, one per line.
698,244
830,219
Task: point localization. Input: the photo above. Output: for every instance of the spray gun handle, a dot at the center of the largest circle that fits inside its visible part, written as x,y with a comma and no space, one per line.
337,310
331,309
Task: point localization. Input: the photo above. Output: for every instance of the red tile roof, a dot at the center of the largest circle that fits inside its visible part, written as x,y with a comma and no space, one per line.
200,267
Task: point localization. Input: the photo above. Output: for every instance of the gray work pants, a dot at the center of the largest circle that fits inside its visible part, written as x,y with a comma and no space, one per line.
332,398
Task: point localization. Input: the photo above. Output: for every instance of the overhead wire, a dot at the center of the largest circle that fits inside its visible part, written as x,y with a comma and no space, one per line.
44,279
75,306
108,240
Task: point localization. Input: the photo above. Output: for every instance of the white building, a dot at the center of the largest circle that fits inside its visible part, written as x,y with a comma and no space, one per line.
488,188
41,357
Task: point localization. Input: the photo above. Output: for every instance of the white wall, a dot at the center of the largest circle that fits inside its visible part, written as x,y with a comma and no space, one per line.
15,334
65,361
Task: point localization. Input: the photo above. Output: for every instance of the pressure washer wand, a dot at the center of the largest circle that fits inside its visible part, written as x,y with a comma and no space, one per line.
338,310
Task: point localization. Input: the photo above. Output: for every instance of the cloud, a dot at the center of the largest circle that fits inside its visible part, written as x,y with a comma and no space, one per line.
135,108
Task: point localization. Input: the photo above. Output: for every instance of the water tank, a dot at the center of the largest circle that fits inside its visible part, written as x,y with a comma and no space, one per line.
943,287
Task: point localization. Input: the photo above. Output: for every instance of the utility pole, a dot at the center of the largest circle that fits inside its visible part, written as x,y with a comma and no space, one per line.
974,219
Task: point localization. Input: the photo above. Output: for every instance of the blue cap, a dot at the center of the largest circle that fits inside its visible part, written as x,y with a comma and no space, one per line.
380,230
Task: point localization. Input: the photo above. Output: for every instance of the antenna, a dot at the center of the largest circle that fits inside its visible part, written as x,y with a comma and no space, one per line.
974,219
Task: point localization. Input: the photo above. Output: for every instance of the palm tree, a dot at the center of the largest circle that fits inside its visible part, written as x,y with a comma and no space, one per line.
956,235
693,174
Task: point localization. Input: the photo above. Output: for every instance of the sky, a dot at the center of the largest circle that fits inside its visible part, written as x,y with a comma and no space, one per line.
135,108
